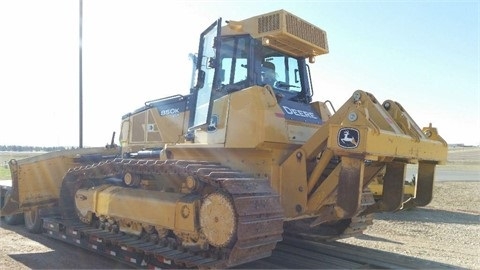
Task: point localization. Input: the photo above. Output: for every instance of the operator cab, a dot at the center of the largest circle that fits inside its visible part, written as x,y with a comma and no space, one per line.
245,62
242,54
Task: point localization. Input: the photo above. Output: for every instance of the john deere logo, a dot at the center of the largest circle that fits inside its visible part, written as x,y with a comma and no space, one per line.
348,138
212,127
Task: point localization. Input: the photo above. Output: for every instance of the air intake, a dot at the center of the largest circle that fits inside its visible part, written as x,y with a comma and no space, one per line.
291,34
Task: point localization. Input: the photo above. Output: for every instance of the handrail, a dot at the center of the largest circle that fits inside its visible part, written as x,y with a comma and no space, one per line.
148,103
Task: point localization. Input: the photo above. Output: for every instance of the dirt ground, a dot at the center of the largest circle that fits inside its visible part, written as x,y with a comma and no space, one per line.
446,231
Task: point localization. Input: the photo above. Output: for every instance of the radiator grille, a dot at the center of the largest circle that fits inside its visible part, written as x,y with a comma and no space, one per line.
269,23
305,31
290,33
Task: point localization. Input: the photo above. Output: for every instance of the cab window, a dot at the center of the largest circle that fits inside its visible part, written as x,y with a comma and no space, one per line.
234,61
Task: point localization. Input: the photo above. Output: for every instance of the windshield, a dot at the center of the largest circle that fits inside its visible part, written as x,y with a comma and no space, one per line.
245,62
281,72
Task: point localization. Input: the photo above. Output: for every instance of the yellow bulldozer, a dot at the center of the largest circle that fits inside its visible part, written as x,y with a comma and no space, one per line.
217,177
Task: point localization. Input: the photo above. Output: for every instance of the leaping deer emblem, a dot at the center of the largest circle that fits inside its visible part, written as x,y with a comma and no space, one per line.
348,140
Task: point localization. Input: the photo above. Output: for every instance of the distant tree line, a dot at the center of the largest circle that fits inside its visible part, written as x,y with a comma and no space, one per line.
20,148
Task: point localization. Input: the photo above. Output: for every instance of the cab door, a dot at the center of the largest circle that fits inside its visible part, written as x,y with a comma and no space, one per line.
206,65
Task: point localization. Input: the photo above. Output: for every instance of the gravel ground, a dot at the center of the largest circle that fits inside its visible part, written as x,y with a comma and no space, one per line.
446,231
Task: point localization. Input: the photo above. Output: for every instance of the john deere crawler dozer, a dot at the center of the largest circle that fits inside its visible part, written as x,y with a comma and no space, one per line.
217,177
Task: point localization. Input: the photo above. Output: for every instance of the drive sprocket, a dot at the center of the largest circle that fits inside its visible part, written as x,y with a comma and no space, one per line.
218,220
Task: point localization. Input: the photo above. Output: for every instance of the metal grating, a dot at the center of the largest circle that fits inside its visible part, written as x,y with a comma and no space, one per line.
305,31
284,31
269,23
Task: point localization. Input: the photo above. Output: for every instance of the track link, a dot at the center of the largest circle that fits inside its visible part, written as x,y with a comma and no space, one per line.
259,216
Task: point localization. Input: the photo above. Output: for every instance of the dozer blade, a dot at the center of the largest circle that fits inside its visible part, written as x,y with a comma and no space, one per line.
36,180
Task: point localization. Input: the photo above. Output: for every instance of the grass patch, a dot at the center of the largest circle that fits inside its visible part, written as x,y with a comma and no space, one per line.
4,173
5,157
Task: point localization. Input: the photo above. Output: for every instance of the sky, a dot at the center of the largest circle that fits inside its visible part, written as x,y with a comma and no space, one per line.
423,54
